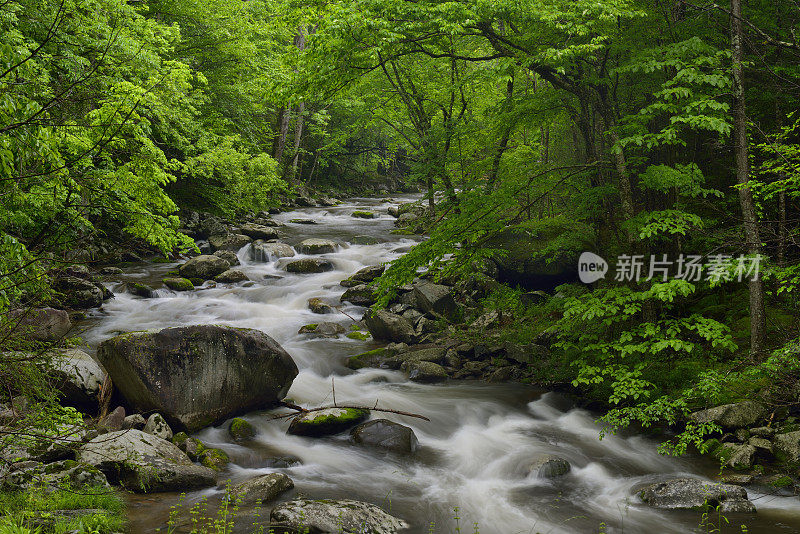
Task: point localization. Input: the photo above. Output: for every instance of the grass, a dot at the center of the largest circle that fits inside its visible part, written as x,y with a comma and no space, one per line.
36,511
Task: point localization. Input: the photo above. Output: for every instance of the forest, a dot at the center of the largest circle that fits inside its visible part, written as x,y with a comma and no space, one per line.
574,216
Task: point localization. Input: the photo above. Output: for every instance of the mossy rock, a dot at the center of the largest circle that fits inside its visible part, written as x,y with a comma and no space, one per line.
360,214
216,459
327,422
179,440
241,430
371,358
197,281
140,290
361,336
178,284
308,328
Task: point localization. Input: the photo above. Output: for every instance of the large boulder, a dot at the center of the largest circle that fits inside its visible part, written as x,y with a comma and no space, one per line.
262,251
317,246
232,242
144,463
435,298
740,415
345,516
41,324
229,256
326,422
693,494
539,255
198,375
309,265
259,231
264,488
205,266
385,434
78,377
317,305
389,326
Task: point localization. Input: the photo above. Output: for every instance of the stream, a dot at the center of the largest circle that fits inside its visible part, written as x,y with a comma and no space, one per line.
474,450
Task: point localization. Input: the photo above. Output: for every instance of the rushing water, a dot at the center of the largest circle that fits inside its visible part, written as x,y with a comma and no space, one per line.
475,448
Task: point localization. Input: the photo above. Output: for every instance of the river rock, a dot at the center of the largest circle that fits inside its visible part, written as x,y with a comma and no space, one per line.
198,375
529,354
786,447
422,371
140,290
157,426
385,434
229,256
324,329
205,267
393,211
232,242
372,358
326,422
241,430
134,421
389,326
41,324
349,517
302,221
693,494
309,265
435,298
264,488
549,466
740,415
211,225
78,293
369,273
53,475
317,305
178,284
262,251
317,246
365,240
144,463
258,231
231,276
360,295
360,214
406,219
112,421
215,459
78,377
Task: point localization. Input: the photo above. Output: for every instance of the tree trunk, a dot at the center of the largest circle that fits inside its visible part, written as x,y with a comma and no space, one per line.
283,132
741,151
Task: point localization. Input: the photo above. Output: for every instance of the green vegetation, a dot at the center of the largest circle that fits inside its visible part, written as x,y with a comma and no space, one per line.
50,509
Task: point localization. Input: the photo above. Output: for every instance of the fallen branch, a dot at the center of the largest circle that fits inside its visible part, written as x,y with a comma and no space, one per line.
302,410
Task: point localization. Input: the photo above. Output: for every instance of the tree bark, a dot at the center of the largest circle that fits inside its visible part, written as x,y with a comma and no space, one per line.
741,153
283,132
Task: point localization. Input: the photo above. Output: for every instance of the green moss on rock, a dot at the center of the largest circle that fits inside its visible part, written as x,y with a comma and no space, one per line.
241,430
178,284
215,459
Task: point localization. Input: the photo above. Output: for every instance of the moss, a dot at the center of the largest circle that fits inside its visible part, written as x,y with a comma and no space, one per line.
360,214
783,482
197,281
368,359
178,284
361,336
179,439
241,430
308,328
216,459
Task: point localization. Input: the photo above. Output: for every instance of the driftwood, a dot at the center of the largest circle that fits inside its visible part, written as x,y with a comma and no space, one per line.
301,410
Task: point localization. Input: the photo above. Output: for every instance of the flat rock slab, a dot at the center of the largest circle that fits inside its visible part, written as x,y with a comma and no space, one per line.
351,517
693,494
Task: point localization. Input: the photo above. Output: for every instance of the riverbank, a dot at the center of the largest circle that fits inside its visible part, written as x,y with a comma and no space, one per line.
486,428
